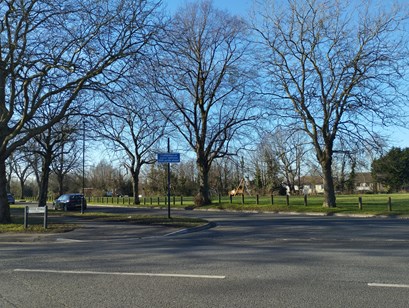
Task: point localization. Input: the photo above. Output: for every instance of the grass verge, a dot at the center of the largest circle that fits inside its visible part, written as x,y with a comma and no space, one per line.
76,219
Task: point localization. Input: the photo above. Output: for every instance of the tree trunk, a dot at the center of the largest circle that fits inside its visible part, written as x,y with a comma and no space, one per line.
43,193
135,185
329,190
135,189
22,188
203,197
5,216
60,179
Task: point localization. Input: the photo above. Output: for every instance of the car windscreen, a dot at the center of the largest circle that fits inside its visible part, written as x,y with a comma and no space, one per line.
64,198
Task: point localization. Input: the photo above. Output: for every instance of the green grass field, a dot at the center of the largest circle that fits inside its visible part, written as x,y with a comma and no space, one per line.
377,205
349,204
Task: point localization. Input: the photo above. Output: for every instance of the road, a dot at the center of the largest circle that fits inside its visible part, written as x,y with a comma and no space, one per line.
247,260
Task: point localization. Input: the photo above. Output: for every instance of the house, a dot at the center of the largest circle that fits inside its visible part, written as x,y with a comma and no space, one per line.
311,185
364,182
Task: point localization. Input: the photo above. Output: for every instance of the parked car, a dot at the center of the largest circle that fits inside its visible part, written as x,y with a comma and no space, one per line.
10,198
70,202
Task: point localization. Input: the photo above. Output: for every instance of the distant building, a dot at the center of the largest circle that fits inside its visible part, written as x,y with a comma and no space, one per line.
364,183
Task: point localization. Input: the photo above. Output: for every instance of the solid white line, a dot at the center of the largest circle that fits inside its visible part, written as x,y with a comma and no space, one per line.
119,273
388,285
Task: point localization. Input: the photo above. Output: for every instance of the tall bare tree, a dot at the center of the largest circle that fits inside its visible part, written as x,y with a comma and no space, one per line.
21,168
335,70
290,148
68,159
132,129
53,51
202,77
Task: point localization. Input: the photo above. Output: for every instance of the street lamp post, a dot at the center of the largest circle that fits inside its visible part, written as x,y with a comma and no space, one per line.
83,169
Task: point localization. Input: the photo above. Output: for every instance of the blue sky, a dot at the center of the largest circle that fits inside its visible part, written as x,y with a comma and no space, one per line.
398,136
239,7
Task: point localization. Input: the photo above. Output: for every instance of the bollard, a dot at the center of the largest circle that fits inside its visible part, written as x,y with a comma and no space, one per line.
287,200
257,199
360,203
45,225
242,198
305,200
25,217
390,204
272,199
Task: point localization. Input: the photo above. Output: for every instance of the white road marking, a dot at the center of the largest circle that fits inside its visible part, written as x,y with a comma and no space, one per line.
388,285
119,273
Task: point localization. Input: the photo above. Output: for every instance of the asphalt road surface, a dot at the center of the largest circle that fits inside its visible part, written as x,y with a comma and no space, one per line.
246,260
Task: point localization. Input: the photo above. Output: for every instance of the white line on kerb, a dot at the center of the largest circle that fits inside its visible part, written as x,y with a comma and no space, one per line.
388,285
119,273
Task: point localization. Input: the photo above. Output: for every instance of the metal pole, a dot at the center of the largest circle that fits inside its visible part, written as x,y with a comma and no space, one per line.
45,224
83,169
168,181
25,217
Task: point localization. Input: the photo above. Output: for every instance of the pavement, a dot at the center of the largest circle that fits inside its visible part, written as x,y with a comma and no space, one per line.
91,230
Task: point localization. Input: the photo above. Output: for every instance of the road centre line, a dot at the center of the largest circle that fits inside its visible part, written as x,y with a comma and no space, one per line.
120,273
388,285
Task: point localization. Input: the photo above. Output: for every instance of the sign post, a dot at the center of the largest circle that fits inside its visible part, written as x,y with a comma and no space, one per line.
36,210
168,158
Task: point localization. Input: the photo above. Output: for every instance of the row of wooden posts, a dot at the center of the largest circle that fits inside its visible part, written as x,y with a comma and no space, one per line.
360,206
150,200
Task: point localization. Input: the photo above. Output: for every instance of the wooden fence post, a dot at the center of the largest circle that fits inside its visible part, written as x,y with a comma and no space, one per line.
272,199
305,200
287,200
25,217
257,199
360,203
390,204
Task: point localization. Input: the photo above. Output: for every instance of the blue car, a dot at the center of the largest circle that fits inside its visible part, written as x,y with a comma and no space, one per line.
10,199
70,202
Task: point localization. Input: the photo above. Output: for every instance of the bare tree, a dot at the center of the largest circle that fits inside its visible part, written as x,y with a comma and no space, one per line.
202,76
132,127
335,71
21,168
67,155
290,148
53,51
51,145
104,179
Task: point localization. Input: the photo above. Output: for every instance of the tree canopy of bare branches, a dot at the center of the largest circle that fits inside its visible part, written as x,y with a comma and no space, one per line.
335,71
53,51
202,77
132,128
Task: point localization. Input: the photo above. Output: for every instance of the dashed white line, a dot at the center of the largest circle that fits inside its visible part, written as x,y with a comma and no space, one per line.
120,273
388,285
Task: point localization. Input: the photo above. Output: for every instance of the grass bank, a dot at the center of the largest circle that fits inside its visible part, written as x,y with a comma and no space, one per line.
68,221
370,204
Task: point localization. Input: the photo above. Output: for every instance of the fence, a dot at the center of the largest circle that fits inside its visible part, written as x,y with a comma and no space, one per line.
349,201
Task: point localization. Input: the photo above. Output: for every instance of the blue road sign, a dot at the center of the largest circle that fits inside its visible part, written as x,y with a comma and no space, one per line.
168,158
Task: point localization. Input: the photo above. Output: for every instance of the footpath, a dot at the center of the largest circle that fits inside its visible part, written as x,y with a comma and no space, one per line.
90,230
